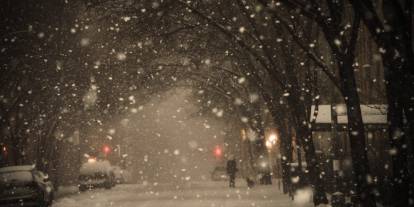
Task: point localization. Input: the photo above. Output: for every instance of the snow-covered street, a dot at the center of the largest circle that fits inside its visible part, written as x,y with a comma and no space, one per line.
195,194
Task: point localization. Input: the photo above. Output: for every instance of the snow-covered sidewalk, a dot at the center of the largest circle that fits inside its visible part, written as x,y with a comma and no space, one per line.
195,194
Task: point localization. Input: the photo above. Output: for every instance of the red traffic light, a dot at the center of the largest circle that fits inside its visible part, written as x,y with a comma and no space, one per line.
218,152
106,149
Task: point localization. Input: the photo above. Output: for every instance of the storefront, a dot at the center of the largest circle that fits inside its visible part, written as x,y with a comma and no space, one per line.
331,141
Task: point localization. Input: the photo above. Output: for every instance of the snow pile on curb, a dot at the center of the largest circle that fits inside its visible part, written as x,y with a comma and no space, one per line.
303,196
66,190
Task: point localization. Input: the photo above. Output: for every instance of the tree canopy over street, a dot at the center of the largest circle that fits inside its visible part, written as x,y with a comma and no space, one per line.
69,69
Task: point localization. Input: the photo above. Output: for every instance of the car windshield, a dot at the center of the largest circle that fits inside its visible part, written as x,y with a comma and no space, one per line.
16,177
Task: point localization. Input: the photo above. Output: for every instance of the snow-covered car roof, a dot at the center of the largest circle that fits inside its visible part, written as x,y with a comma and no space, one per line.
17,168
93,167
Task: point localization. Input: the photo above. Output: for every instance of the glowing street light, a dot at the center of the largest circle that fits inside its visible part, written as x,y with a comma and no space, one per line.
268,144
271,141
273,138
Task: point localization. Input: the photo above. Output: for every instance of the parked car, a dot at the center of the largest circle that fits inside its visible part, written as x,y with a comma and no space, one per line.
24,185
97,174
219,173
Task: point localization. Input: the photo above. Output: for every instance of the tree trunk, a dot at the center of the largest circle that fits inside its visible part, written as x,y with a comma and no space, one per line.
398,66
397,139
314,171
356,133
286,153
304,136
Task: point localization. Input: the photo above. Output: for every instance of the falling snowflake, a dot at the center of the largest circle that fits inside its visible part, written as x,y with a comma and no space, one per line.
121,56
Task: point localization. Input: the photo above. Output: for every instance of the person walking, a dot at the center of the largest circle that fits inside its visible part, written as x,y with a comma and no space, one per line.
231,171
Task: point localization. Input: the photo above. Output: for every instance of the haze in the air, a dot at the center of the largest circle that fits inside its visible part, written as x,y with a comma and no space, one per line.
167,142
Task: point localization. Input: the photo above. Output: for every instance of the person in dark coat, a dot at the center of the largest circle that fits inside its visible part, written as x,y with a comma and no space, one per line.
231,171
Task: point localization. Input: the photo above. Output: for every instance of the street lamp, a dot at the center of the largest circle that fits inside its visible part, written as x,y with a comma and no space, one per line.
268,144
271,141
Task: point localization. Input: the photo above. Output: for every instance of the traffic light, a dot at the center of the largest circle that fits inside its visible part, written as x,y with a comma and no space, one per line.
218,152
106,149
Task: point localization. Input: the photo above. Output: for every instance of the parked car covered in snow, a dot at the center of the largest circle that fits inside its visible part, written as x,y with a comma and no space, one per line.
96,174
24,185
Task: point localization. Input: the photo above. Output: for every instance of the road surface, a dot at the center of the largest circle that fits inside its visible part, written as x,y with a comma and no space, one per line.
191,194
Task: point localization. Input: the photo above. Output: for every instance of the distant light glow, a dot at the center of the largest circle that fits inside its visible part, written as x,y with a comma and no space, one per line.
218,151
273,138
268,144
271,141
263,164
91,160
106,149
